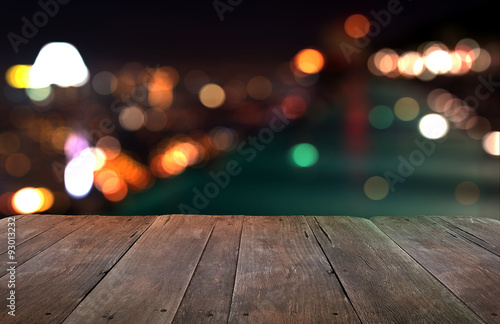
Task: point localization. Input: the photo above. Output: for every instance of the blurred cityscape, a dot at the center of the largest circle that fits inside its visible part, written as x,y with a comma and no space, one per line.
256,108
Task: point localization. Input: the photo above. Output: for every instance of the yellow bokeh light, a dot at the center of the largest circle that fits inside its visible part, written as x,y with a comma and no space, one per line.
18,76
376,188
27,200
212,95
309,61
48,199
406,108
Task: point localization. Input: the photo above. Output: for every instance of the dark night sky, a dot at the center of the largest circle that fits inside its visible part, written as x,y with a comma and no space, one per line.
115,32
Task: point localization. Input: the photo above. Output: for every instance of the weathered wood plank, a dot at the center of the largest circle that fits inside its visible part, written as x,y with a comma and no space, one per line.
384,284
51,284
20,222
148,283
484,232
208,297
30,226
284,277
467,269
35,244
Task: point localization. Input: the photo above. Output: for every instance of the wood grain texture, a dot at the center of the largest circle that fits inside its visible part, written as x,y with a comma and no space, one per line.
28,226
51,284
208,297
484,232
284,277
470,271
35,244
148,283
384,284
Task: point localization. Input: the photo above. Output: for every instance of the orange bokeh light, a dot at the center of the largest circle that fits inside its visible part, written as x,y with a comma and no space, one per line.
356,26
309,61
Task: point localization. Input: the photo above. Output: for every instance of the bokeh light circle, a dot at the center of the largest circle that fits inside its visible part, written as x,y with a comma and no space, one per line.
309,61
356,26
433,126
376,188
304,155
406,108
491,143
27,200
212,95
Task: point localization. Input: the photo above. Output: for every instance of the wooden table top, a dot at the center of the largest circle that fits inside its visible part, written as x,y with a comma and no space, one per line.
251,269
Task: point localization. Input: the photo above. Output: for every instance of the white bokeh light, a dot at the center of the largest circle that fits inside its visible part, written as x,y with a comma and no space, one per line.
79,175
491,143
433,126
60,64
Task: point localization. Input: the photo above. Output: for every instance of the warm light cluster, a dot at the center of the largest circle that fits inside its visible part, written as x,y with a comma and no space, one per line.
31,200
120,174
430,60
175,156
462,116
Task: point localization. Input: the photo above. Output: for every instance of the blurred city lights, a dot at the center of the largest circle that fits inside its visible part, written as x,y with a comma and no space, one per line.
17,76
406,108
381,117
304,155
431,59
39,94
309,61
376,188
491,143
212,95
60,64
438,61
467,193
110,146
75,144
433,126
410,64
27,200
132,118
356,26
79,176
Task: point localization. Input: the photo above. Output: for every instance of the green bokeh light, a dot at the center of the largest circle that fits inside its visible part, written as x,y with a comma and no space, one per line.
381,117
304,155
